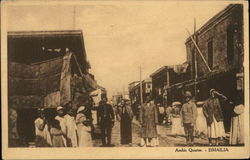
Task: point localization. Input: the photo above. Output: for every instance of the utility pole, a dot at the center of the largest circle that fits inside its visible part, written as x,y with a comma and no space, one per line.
195,61
141,86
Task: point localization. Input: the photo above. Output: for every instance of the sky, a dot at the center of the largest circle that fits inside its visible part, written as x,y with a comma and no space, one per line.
120,37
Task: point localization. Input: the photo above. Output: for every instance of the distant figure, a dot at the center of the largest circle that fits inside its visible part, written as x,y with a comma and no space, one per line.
161,112
61,119
126,115
106,119
149,120
213,113
201,123
71,128
168,115
177,127
43,138
83,128
13,134
189,116
58,139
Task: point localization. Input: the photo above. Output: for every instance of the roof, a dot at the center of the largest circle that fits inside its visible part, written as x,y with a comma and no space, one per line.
34,46
215,18
159,70
177,68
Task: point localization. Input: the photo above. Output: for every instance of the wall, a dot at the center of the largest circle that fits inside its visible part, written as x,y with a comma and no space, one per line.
217,31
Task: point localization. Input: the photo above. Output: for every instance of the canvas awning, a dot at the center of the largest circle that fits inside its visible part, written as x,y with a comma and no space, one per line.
91,83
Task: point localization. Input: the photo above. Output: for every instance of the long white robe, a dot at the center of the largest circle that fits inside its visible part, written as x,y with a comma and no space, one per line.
63,127
71,129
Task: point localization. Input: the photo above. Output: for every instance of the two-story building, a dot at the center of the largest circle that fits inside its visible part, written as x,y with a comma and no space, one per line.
163,81
220,42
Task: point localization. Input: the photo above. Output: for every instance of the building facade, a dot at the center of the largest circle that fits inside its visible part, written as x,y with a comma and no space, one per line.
220,41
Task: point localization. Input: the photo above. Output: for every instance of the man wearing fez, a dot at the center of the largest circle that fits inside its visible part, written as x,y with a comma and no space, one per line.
105,118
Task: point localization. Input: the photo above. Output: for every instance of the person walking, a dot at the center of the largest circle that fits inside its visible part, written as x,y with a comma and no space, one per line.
71,135
83,127
213,113
149,120
188,117
61,119
106,119
126,115
43,138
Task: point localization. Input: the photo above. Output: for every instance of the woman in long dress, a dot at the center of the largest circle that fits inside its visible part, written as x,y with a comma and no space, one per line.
83,128
237,126
201,124
126,115
177,128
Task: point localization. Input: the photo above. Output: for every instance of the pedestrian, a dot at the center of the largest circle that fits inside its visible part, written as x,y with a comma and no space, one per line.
237,126
83,127
58,139
105,118
71,135
126,115
148,121
177,127
43,138
188,117
213,113
13,133
168,117
201,124
61,119
161,113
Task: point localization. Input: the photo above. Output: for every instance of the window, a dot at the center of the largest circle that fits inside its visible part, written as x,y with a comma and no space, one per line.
210,53
230,44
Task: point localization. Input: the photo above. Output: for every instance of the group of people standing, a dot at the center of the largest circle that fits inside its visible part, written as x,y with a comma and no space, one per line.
64,130
203,119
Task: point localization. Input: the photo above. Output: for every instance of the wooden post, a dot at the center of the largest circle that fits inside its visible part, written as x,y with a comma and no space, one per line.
195,61
199,51
141,87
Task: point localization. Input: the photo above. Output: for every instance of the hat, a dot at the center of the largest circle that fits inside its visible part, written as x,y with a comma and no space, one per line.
59,108
81,108
188,94
176,103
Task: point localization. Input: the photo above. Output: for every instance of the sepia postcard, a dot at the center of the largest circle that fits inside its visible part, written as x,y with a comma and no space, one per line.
125,79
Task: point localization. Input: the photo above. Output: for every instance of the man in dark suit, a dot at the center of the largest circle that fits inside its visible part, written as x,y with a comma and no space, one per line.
105,118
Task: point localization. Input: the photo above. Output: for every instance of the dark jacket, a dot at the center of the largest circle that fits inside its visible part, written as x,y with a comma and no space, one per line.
212,108
105,115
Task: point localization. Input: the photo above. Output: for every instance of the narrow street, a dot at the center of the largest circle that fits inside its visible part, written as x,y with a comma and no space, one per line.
165,137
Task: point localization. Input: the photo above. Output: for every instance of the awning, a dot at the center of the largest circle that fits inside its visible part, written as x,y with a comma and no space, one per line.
91,83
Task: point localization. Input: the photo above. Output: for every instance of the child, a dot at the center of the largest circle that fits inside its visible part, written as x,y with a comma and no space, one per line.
57,134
